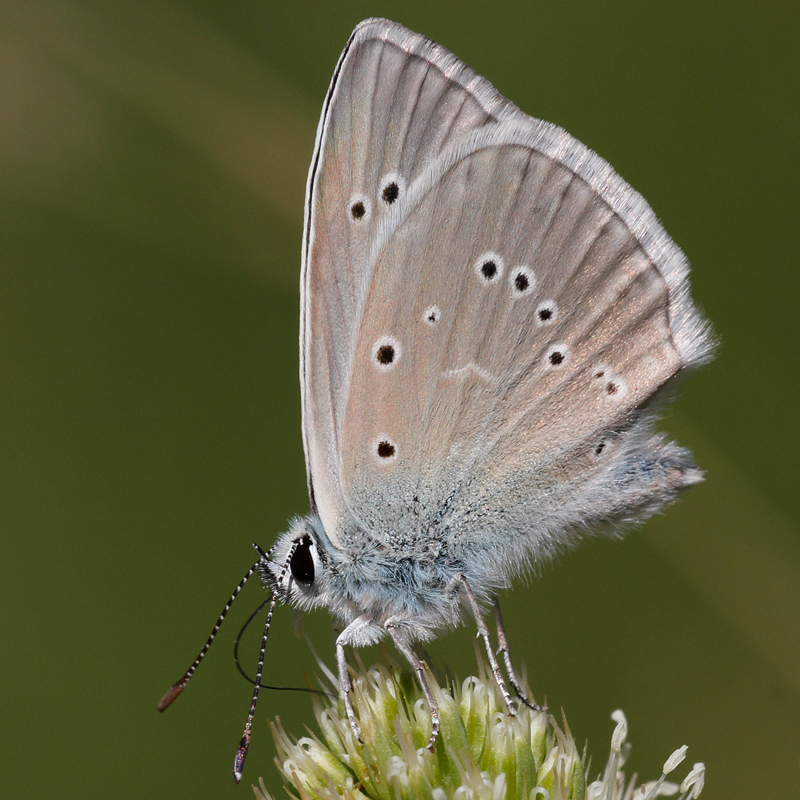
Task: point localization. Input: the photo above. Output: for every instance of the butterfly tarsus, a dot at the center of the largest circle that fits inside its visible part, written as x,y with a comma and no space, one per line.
483,632
346,686
401,643
503,648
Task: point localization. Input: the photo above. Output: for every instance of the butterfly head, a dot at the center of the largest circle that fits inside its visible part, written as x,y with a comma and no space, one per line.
299,565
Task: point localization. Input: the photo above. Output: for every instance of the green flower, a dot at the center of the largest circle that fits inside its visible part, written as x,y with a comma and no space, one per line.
482,753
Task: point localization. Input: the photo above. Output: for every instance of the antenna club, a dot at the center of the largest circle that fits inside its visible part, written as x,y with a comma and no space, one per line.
167,699
241,754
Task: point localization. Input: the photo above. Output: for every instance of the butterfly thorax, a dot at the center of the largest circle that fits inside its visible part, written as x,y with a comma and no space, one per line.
418,584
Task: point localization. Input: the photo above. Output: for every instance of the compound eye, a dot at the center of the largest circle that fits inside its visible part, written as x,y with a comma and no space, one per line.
302,563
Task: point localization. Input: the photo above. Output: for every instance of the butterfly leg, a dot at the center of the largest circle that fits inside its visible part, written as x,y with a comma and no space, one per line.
503,648
401,643
352,634
483,632
347,687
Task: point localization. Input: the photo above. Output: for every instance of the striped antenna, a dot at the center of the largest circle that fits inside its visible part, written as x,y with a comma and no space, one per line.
177,688
244,743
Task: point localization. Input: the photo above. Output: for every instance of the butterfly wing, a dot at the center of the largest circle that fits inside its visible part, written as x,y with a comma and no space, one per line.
488,339
388,114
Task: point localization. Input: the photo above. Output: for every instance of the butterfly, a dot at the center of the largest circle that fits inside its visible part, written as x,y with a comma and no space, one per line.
490,320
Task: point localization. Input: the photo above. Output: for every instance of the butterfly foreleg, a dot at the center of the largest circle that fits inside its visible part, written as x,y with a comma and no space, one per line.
502,642
395,630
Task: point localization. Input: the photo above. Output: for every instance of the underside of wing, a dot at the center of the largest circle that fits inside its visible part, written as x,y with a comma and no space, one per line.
396,102
488,311
524,307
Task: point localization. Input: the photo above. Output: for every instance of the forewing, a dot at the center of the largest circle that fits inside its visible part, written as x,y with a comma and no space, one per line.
395,103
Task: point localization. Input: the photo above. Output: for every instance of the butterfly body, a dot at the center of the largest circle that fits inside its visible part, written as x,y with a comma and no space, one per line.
414,585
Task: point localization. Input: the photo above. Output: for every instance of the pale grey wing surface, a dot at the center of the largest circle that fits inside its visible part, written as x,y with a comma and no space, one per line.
533,305
396,101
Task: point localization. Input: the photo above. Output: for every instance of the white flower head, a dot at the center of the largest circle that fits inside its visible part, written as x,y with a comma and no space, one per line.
695,780
675,759
483,753
620,732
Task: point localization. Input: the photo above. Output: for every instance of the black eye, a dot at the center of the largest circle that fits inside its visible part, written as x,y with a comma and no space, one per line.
302,564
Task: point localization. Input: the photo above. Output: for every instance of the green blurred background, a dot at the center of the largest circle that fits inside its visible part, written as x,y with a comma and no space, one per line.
152,169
